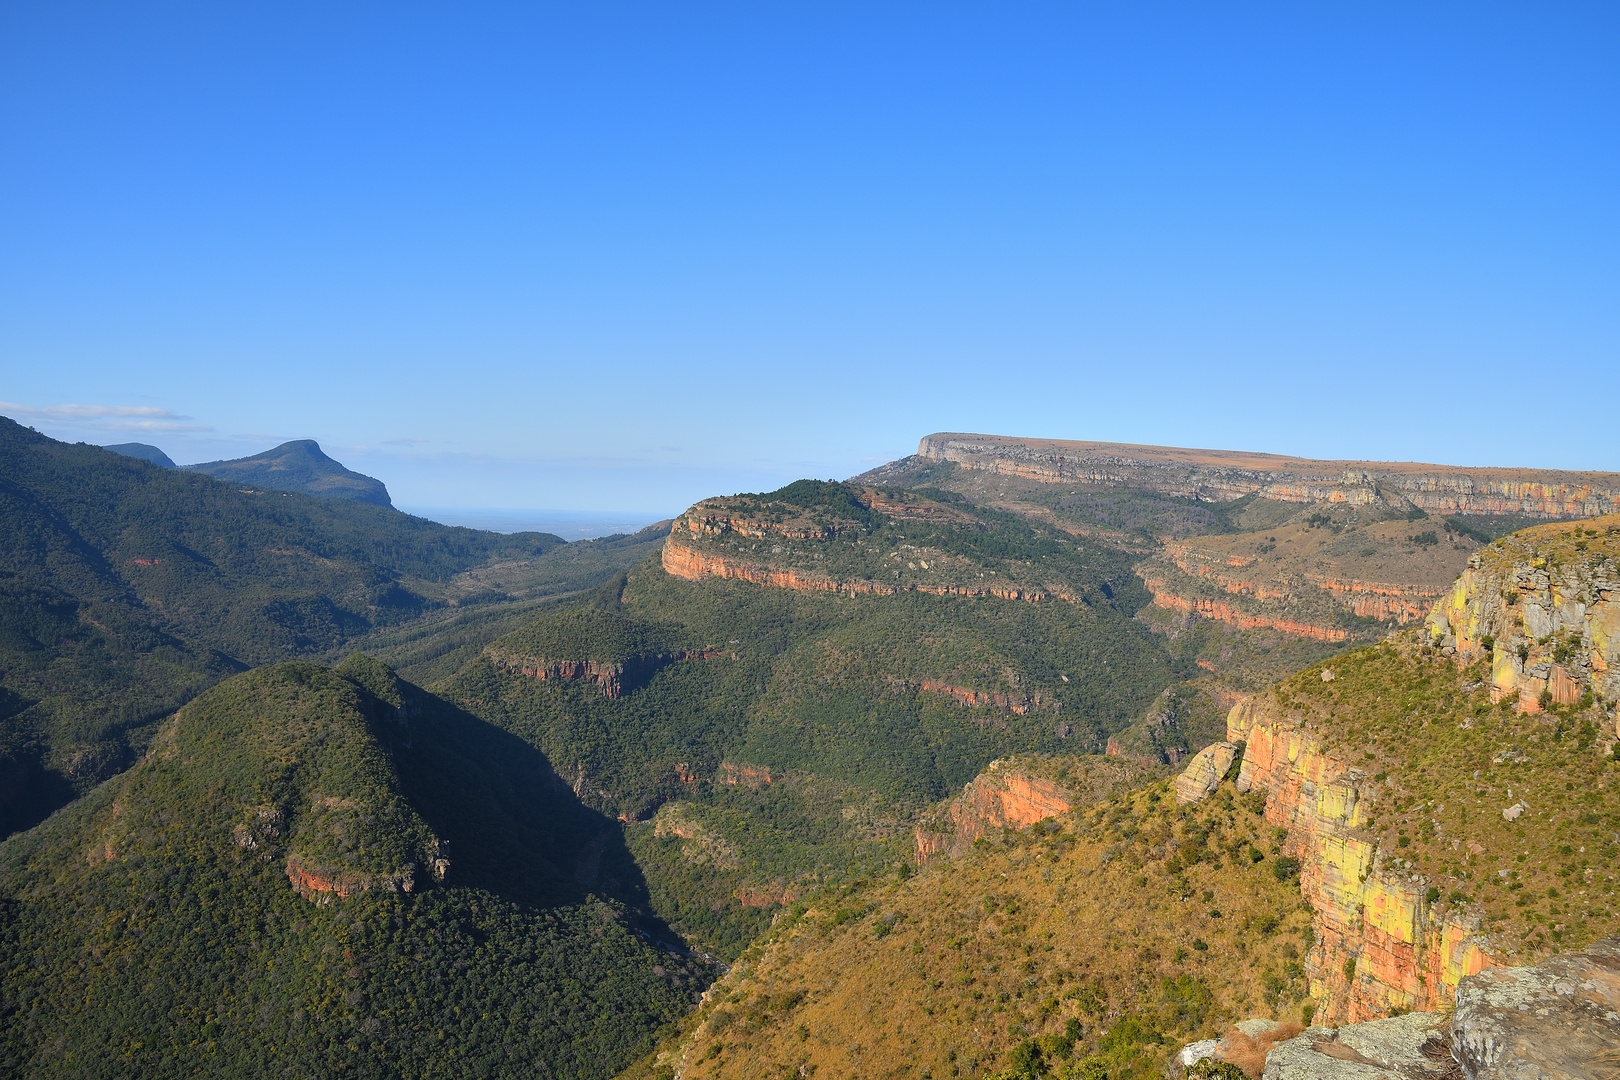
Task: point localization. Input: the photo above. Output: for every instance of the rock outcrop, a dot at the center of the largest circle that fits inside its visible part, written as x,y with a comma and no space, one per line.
1544,604
1017,793
1560,1018
614,677
1411,1047
1204,774
1556,1020
1221,475
1381,946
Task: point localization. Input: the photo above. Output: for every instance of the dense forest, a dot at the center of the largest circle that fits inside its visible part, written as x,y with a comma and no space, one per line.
151,930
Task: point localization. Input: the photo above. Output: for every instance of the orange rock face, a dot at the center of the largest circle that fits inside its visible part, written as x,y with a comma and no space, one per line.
1406,956
1000,798
746,775
1214,609
682,561
1384,602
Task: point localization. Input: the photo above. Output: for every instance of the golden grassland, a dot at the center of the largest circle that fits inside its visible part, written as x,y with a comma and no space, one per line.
1100,941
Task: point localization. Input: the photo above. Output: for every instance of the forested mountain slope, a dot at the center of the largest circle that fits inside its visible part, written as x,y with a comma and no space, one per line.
1378,827
761,741
323,872
1258,564
299,466
126,588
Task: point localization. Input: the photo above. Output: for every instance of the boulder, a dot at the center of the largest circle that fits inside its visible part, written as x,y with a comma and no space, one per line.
1558,1019
1410,1047
1203,774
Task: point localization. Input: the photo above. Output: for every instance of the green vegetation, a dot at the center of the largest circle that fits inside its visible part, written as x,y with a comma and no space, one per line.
125,589
150,929
1068,949
925,539
588,633
1446,763
827,693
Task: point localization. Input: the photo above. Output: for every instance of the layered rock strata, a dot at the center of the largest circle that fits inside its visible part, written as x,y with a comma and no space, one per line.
614,677
1222,475
682,561
1381,946
1545,605
1226,613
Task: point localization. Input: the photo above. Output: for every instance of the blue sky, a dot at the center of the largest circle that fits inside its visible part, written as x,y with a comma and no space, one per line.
618,257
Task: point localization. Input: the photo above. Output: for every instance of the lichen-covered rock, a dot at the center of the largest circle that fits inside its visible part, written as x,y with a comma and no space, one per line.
1203,774
1558,1019
1544,605
1410,1047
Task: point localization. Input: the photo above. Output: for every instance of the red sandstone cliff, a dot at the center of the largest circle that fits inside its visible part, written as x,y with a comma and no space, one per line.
1407,955
1018,792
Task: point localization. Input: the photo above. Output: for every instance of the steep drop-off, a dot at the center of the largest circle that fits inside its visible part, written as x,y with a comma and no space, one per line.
1544,606
1438,834
1221,475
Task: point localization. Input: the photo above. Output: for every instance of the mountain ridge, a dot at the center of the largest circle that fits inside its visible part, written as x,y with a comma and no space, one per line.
299,465
1221,475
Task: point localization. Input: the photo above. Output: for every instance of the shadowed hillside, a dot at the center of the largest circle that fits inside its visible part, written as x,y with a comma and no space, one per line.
333,872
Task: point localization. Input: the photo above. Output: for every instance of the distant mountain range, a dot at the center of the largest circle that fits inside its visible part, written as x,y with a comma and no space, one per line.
299,465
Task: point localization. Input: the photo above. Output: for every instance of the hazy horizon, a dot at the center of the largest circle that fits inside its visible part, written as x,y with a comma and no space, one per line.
609,256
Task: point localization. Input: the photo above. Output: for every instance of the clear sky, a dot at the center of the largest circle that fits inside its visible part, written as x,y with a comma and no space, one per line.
606,256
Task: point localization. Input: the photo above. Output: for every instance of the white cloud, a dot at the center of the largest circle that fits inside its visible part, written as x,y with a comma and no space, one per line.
145,418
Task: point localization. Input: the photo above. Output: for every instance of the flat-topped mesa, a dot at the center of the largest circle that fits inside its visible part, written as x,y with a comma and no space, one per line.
1544,604
831,537
1222,475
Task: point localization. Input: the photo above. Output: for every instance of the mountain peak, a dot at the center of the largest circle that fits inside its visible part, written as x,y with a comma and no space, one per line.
144,451
299,465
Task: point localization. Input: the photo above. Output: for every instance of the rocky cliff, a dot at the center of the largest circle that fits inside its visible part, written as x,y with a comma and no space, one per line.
1544,606
1557,1020
1018,792
613,676
1380,945
1221,475
828,537
1436,833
